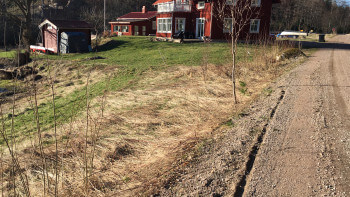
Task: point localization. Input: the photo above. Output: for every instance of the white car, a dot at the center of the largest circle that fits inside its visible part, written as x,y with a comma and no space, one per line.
292,34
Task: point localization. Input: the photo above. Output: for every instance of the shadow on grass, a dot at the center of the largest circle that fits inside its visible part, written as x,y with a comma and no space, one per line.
113,44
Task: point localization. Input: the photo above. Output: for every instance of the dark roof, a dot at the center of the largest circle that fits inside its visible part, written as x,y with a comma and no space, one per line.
68,24
71,24
138,15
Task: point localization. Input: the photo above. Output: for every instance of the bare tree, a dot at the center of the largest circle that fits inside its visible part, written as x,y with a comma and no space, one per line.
24,19
96,18
236,15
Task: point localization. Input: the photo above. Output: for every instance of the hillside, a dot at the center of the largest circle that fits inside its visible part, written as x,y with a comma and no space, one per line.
120,121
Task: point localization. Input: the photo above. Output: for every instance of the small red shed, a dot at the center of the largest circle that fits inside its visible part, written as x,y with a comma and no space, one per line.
135,23
51,32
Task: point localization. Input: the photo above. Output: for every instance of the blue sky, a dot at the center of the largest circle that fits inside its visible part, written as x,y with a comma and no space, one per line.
348,1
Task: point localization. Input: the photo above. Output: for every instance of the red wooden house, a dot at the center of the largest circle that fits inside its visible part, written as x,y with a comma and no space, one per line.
135,23
51,31
197,19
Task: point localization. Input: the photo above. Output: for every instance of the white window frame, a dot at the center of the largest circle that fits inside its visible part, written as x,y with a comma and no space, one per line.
176,24
252,21
116,28
256,3
125,28
202,30
199,6
164,21
230,28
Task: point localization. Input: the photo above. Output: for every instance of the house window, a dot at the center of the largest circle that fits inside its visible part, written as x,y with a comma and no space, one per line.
164,25
182,1
125,29
49,26
254,25
256,3
201,5
154,25
115,28
136,33
227,25
180,24
231,2
143,30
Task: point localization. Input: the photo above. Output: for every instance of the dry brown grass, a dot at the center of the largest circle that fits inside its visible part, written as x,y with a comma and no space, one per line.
143,130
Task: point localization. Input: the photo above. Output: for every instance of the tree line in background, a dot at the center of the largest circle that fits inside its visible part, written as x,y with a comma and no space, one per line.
320,16
23,16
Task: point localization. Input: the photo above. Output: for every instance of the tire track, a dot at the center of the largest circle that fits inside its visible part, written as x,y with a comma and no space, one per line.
240,187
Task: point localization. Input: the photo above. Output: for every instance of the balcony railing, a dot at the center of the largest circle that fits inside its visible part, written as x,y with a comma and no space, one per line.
174,7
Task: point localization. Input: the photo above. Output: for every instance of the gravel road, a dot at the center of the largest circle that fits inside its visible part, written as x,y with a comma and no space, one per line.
295,142
306,148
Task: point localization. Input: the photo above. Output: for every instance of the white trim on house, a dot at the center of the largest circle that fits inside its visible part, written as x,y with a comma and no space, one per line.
116,23
47,22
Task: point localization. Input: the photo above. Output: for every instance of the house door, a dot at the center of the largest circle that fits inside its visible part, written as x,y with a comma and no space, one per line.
200,27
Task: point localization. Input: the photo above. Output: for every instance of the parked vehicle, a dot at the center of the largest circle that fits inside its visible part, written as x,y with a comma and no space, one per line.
292,34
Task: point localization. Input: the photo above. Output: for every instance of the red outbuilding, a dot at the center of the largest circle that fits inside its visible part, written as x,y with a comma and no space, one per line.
198,19
51,31
135,23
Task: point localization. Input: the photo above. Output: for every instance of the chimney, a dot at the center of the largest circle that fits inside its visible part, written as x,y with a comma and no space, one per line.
144,10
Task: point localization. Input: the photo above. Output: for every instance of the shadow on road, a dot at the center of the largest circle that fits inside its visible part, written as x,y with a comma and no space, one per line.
324,45
322,85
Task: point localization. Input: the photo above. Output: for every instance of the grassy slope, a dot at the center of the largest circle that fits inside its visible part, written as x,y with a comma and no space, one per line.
7,54
140,52
136,55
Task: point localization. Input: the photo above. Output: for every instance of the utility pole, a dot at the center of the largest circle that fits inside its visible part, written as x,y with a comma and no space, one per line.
104,16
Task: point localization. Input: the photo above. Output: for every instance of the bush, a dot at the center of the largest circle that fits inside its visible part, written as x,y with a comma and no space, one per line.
292,53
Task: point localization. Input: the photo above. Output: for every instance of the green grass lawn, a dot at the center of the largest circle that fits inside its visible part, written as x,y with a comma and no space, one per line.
134,55
139,51
7,54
